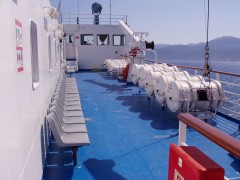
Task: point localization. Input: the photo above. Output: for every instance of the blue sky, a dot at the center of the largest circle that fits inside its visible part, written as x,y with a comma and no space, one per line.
170,21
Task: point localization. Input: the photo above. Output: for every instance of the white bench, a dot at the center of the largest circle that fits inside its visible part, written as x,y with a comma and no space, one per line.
66,117
72,140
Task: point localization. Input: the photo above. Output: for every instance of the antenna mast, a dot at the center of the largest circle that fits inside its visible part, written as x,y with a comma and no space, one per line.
78,13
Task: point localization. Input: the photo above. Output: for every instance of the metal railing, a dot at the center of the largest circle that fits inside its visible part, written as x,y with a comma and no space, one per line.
220,138
104,19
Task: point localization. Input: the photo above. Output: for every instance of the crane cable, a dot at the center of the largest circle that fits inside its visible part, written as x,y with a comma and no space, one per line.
207,67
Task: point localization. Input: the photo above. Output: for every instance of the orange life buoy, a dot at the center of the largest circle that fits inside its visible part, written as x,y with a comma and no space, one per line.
125,71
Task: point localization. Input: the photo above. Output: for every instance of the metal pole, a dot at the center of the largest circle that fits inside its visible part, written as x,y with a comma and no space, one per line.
78,11
59,11
110,12
182,137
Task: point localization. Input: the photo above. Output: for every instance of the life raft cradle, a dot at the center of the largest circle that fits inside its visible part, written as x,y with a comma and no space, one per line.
209,113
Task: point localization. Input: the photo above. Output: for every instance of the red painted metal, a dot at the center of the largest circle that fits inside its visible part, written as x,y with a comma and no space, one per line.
189,163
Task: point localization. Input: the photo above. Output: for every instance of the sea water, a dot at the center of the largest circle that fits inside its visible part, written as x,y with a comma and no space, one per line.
225,66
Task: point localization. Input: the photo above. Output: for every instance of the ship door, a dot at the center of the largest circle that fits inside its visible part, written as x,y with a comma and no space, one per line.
70,47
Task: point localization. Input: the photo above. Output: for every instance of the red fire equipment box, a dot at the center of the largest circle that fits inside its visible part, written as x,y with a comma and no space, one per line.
189,163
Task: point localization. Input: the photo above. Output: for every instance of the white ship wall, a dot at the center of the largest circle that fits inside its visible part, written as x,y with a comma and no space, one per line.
93,56
23,130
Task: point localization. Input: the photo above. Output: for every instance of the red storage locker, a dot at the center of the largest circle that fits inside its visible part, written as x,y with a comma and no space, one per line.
189,163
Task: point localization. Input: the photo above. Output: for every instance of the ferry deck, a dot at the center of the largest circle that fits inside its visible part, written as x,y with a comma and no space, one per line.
129,134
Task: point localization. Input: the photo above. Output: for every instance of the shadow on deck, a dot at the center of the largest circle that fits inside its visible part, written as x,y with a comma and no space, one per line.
102,169
58,164
139,103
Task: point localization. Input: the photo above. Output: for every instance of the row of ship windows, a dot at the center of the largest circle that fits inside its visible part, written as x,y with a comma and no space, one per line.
102,39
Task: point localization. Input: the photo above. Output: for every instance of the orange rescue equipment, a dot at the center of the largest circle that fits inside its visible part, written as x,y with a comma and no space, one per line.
125,71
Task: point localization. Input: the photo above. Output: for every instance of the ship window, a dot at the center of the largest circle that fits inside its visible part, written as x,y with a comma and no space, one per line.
103,39
87,39
119,40
69,38
34,55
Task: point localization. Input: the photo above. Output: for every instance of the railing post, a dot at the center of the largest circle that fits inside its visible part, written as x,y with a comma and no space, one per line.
182,134
217,76
222,139
69,19
196,72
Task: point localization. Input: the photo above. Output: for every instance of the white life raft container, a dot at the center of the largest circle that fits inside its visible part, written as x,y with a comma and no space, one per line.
142,75
134,73
152,79
186,96
143,72
163,82
115,66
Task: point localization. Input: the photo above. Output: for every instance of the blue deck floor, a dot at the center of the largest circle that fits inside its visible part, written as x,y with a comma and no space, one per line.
129,136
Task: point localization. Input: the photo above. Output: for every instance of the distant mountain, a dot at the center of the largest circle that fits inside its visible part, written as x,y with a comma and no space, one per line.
225,48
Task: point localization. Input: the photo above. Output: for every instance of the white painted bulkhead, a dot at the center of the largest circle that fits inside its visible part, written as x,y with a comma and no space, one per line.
93,56
23,131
